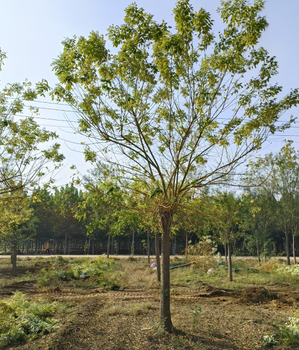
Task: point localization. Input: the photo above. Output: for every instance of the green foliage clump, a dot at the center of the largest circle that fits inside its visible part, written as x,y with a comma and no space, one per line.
61,260
206,247
291,270
21,320
289,333
101,267
268,340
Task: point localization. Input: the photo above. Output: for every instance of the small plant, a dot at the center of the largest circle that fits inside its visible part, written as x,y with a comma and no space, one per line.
100,267
196,313
21,320
60,260
268,340
289,333
115,248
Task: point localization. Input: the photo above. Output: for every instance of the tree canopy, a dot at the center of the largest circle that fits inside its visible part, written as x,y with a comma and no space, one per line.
176,108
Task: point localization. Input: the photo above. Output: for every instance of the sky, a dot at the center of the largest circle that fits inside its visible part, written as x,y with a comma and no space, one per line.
31,33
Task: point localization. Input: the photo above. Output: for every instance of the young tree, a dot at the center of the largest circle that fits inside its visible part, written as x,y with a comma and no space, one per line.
258,217
25,154
227,223
279,174
175,108
15,214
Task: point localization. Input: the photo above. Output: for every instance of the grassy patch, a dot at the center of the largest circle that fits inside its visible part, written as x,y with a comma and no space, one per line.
126,308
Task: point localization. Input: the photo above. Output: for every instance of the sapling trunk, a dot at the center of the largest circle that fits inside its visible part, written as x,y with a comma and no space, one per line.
108,246
287,248
133,244
230,268
294,249
157,251
148,246
258,250
186,243
65,244
14,248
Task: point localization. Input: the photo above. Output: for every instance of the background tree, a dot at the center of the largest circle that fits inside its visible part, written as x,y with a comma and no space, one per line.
15,214
279,174
175,108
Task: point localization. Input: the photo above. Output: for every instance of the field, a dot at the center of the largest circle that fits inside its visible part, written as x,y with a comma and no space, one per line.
101,304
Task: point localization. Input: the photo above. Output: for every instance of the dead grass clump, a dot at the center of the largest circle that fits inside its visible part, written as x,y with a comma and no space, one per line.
127,309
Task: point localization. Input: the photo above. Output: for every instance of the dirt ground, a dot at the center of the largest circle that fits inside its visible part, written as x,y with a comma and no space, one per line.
204,317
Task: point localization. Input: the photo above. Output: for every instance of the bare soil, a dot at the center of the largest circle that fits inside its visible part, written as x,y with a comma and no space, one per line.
232,319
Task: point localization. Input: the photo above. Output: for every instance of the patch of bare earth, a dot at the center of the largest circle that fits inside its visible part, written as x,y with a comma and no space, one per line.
129,319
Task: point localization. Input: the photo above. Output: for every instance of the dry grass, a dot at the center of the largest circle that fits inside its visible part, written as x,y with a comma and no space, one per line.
234,316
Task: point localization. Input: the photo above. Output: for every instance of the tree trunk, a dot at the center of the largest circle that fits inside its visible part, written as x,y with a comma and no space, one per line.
108,246
166,221
14,248
92,244
258,250
186,243
36,247
294,249
69,247
148,246
133,243
157,251
288,248
174,246
225,252
65,244
230,267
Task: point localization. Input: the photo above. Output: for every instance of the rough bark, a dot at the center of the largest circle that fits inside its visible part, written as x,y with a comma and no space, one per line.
157,251
230,267
166,221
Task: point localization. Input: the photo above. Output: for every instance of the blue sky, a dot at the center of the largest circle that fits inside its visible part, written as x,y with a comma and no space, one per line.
31,33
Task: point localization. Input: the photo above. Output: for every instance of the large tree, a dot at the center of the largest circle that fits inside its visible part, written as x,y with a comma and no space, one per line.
175,108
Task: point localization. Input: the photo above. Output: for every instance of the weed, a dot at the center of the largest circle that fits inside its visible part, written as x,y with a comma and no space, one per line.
268,340
289,333
21,320
99,267
196,313
133,309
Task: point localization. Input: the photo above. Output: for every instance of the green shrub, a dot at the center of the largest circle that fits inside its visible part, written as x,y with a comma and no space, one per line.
289,333
21,320
100,267
61,260
290,270
268,340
